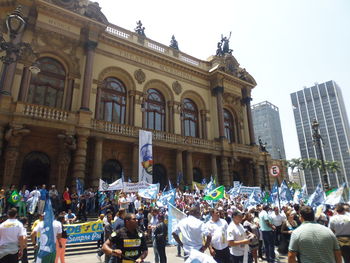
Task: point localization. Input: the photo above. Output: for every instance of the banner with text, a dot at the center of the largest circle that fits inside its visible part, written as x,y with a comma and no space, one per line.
85,232
119,185
145,156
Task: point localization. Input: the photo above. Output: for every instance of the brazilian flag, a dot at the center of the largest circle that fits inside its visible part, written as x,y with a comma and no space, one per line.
267,198
14,198
216,194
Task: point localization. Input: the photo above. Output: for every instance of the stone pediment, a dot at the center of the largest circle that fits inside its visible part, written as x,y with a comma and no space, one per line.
83,7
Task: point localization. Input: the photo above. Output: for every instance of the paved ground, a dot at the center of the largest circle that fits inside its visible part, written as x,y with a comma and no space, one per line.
170,251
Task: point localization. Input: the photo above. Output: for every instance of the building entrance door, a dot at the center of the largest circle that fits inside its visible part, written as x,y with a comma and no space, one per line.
111,171
159,176
35,170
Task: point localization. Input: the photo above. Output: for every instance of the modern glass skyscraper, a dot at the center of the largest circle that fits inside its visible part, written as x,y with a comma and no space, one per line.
323,102
267,126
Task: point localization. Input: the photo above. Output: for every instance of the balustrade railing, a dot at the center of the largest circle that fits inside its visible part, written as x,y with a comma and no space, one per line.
42,112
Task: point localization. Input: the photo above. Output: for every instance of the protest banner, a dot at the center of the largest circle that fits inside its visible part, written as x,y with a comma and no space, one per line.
86,232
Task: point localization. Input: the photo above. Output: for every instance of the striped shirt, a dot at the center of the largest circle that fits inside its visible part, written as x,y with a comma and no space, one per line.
314,243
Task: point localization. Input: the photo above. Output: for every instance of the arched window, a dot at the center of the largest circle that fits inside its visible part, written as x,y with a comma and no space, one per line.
47,87
113,101
155,110
229,126
111,171
190,118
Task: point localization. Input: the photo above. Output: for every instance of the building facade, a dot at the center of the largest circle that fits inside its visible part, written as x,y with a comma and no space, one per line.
323,102
267,127
99,85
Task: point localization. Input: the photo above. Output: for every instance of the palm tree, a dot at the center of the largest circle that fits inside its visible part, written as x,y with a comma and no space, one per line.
312,164
296,163
333,167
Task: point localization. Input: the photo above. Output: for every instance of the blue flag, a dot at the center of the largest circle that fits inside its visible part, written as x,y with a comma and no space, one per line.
317,198
170,185
80,187
204,181
179,178
150,192
253,200
210,186
234,191
275,194
47,249
166,198
285,194
174,217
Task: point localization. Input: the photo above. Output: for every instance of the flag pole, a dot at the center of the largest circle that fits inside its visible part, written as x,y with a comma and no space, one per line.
278,196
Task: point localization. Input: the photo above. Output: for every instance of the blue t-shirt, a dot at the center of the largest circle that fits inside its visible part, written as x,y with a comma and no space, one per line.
43,194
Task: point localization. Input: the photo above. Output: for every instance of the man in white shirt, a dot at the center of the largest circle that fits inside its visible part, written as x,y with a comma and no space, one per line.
12,238
277,220
193,230
237,239
218,230
57,231
152,226
340,225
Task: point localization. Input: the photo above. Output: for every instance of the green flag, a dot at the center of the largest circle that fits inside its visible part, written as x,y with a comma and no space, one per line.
267,198
14,198
331,191
216,194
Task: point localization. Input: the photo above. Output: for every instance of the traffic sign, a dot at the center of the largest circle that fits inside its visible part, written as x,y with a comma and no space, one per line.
275,170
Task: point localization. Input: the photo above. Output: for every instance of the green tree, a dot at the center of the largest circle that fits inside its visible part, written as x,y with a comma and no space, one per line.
333,167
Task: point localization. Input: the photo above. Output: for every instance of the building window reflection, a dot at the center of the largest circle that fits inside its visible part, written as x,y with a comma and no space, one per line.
190,118
113,101
47,87
155,110
229,126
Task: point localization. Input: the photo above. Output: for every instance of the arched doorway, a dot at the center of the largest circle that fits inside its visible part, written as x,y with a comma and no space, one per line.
111,171
35,169
160,176
197,175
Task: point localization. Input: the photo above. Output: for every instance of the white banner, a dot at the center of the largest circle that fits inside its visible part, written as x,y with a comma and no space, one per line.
119,185
145,156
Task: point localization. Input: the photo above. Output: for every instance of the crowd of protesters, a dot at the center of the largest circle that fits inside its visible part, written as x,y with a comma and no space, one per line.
227,228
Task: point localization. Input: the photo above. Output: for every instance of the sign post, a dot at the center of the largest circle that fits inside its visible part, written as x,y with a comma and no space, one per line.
275,170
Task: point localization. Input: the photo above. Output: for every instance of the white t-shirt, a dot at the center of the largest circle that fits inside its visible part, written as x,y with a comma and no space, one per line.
277,220
192,230
218,231
10,231
236,233
340,224
137,204
57,228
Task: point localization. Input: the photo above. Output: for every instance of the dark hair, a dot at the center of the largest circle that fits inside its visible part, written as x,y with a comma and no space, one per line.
128,217
340,208
23,220
237,213
307,213
12,212
60,218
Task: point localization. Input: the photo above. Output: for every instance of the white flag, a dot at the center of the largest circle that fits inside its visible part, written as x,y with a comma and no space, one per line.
145,157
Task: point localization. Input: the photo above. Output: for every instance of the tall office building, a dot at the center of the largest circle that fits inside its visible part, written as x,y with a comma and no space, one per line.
267,126
323,102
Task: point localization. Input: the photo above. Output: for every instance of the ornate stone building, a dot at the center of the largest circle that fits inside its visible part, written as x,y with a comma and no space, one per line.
99,84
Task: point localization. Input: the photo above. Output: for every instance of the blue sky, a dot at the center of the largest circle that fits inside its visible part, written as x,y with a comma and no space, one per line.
284,44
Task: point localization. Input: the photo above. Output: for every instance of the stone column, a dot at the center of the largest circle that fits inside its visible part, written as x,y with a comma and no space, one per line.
2,129
23,92
214,169
179,166
135,161
204,124
132,95
69,96
87,84
225,177
97,166
79,165
218,91
246,100
13,136
189,169
66,146
98,103
171,117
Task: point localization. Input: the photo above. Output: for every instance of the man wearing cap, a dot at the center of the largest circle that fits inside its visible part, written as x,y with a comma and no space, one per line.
218,230
238,239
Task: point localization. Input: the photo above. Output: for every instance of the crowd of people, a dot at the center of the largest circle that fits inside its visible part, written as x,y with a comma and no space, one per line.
228,229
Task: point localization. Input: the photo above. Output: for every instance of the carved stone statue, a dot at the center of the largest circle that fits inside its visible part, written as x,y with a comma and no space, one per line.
67,145
262,146
140,29
223,46
173,43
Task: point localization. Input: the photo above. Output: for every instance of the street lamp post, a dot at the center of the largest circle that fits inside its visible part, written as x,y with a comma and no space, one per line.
15,24
317,141
264,151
